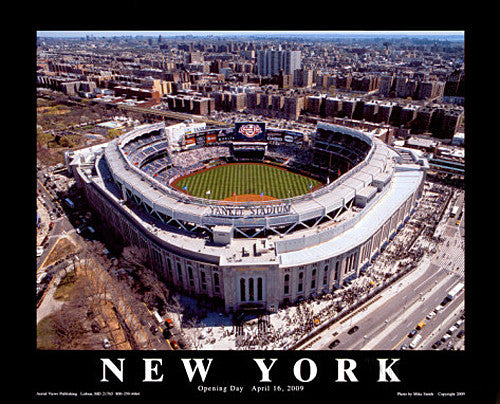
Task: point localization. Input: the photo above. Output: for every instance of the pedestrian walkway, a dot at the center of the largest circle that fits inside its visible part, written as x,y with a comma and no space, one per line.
381,299
44,218
450,255
48,304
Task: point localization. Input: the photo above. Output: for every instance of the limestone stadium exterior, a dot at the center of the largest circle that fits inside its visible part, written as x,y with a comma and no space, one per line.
258,254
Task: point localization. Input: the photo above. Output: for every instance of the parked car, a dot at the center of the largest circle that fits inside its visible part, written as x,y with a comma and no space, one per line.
420,325
106,344
334,344
445,337
40,278
353,330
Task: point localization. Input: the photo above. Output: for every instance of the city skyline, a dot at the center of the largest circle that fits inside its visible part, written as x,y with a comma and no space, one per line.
448,34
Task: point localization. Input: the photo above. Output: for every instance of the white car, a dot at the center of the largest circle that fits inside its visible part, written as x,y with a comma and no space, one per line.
430,315
438,308
39,251
445,337
40,277
106,343
451,330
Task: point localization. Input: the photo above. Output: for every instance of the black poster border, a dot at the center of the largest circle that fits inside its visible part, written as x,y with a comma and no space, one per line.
59,375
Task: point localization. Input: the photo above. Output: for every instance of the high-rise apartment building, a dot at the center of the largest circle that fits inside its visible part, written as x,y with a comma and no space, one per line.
385,112
385,85
270,62
303,78
313,104
332,106
407,114
453,82
430,90
292,107
400,86
422,121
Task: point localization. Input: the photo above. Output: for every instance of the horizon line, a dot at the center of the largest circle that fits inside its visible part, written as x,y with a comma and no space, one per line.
112,33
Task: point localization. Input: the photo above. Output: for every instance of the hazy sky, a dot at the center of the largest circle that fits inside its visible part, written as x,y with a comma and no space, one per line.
256,32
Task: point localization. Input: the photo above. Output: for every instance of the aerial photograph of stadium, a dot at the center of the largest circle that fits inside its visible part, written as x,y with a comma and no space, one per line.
250,191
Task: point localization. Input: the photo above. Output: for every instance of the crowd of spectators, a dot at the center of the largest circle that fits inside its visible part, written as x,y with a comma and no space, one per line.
189,158
151,154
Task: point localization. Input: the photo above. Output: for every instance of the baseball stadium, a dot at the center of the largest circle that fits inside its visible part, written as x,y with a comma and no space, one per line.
253,217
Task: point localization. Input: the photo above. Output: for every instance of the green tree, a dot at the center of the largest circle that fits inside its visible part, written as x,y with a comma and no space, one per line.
112,133
43,137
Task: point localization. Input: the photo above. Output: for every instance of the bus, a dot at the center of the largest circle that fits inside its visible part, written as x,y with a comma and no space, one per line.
455,291
157,317
454,211
415,342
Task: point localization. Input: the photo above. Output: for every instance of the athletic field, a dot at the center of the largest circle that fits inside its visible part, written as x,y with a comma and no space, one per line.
230,180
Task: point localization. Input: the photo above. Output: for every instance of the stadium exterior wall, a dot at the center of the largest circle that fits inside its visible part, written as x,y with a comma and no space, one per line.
266,281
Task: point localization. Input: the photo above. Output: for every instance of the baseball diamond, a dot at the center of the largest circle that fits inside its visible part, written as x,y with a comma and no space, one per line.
252,222
230,180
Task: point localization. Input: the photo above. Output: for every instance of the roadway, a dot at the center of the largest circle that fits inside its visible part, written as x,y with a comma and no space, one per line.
168,114
385,324
62,225
433,326
434,330
386,327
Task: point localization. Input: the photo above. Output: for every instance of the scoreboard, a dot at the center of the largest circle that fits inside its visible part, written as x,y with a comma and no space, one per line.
244,132
281,136
194,139
250,131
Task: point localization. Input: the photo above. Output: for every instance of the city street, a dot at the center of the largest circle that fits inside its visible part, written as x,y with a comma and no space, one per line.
61,224
386,323
386,326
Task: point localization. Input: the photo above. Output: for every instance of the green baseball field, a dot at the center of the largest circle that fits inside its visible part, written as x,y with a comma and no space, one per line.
246,181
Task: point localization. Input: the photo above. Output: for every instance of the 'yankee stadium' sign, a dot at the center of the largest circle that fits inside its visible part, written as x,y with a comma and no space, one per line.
251,211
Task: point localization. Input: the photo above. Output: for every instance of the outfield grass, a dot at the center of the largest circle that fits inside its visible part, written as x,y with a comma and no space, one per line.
224,180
